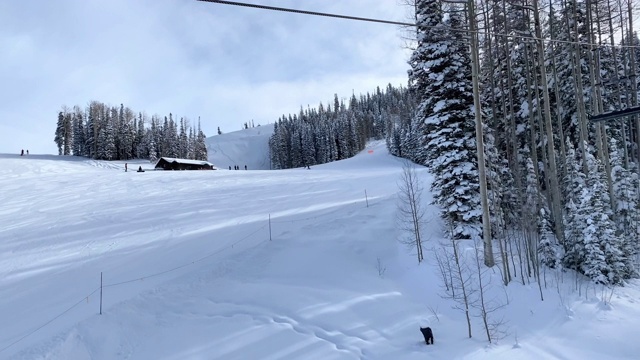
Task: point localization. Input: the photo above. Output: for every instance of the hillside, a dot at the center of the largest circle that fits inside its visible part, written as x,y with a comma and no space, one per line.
248,147
288,264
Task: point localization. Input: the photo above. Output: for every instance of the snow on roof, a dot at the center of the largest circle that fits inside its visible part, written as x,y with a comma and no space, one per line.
185,161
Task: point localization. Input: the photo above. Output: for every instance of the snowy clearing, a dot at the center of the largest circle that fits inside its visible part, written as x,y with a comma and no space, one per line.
189,270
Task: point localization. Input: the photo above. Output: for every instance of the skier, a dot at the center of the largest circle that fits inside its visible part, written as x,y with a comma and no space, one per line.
22,152
125,165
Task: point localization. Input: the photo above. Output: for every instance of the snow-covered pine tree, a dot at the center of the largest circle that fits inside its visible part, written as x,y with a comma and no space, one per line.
59,135
141,150
109,150
201,145
91,130
79,140
604,261
183,140
549,251
441,71
574,185
191,144
626,214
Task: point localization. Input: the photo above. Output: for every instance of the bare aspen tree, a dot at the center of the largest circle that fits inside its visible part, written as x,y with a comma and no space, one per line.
458,278
577,78
554,191
462,281
596,98
409,34
510,155
616,78
563,153
487,307
411,214
443,260
475,64
632,76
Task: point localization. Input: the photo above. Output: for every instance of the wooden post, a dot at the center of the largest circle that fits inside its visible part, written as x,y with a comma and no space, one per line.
100,292
365,197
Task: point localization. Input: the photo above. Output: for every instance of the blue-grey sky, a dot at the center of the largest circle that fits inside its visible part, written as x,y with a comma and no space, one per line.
227,65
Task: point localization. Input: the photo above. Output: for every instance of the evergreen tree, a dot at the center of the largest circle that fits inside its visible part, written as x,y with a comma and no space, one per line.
201,146
59,136
575,186
79,139
626,214
441,67
142,147
549,253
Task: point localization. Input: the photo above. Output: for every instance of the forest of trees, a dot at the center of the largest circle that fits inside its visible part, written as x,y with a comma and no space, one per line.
561,189
317,136
111,133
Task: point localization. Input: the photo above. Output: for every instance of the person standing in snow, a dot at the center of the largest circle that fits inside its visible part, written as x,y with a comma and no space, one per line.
22,152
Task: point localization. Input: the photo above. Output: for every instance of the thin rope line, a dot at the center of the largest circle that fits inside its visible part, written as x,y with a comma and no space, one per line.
141,278
130,281
49,322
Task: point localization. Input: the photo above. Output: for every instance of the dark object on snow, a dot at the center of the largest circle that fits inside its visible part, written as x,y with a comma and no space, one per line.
140,169
245,167
428,335
22,152
229,167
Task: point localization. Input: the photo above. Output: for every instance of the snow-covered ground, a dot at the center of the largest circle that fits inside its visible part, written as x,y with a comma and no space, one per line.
192,268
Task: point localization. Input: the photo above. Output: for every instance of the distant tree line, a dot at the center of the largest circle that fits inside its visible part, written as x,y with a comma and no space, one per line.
115,133
321,135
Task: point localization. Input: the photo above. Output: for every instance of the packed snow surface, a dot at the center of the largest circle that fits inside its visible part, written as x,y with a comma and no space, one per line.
288,264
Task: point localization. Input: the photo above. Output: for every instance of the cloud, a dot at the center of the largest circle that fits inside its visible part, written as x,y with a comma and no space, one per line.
224,64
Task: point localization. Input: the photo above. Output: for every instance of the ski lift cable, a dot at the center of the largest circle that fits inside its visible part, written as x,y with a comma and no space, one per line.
391,22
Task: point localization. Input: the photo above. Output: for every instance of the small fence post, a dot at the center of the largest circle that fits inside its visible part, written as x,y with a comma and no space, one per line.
365,197
100,292
269,227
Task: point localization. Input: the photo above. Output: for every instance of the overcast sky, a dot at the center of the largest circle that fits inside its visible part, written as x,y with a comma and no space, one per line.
225,64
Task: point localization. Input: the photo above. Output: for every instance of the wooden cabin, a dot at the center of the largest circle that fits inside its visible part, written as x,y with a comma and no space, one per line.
167,163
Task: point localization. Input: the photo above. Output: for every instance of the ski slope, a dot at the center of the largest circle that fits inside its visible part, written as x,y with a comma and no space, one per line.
245,147
288,264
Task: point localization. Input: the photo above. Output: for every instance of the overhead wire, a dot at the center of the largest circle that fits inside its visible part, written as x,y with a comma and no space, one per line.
367,19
